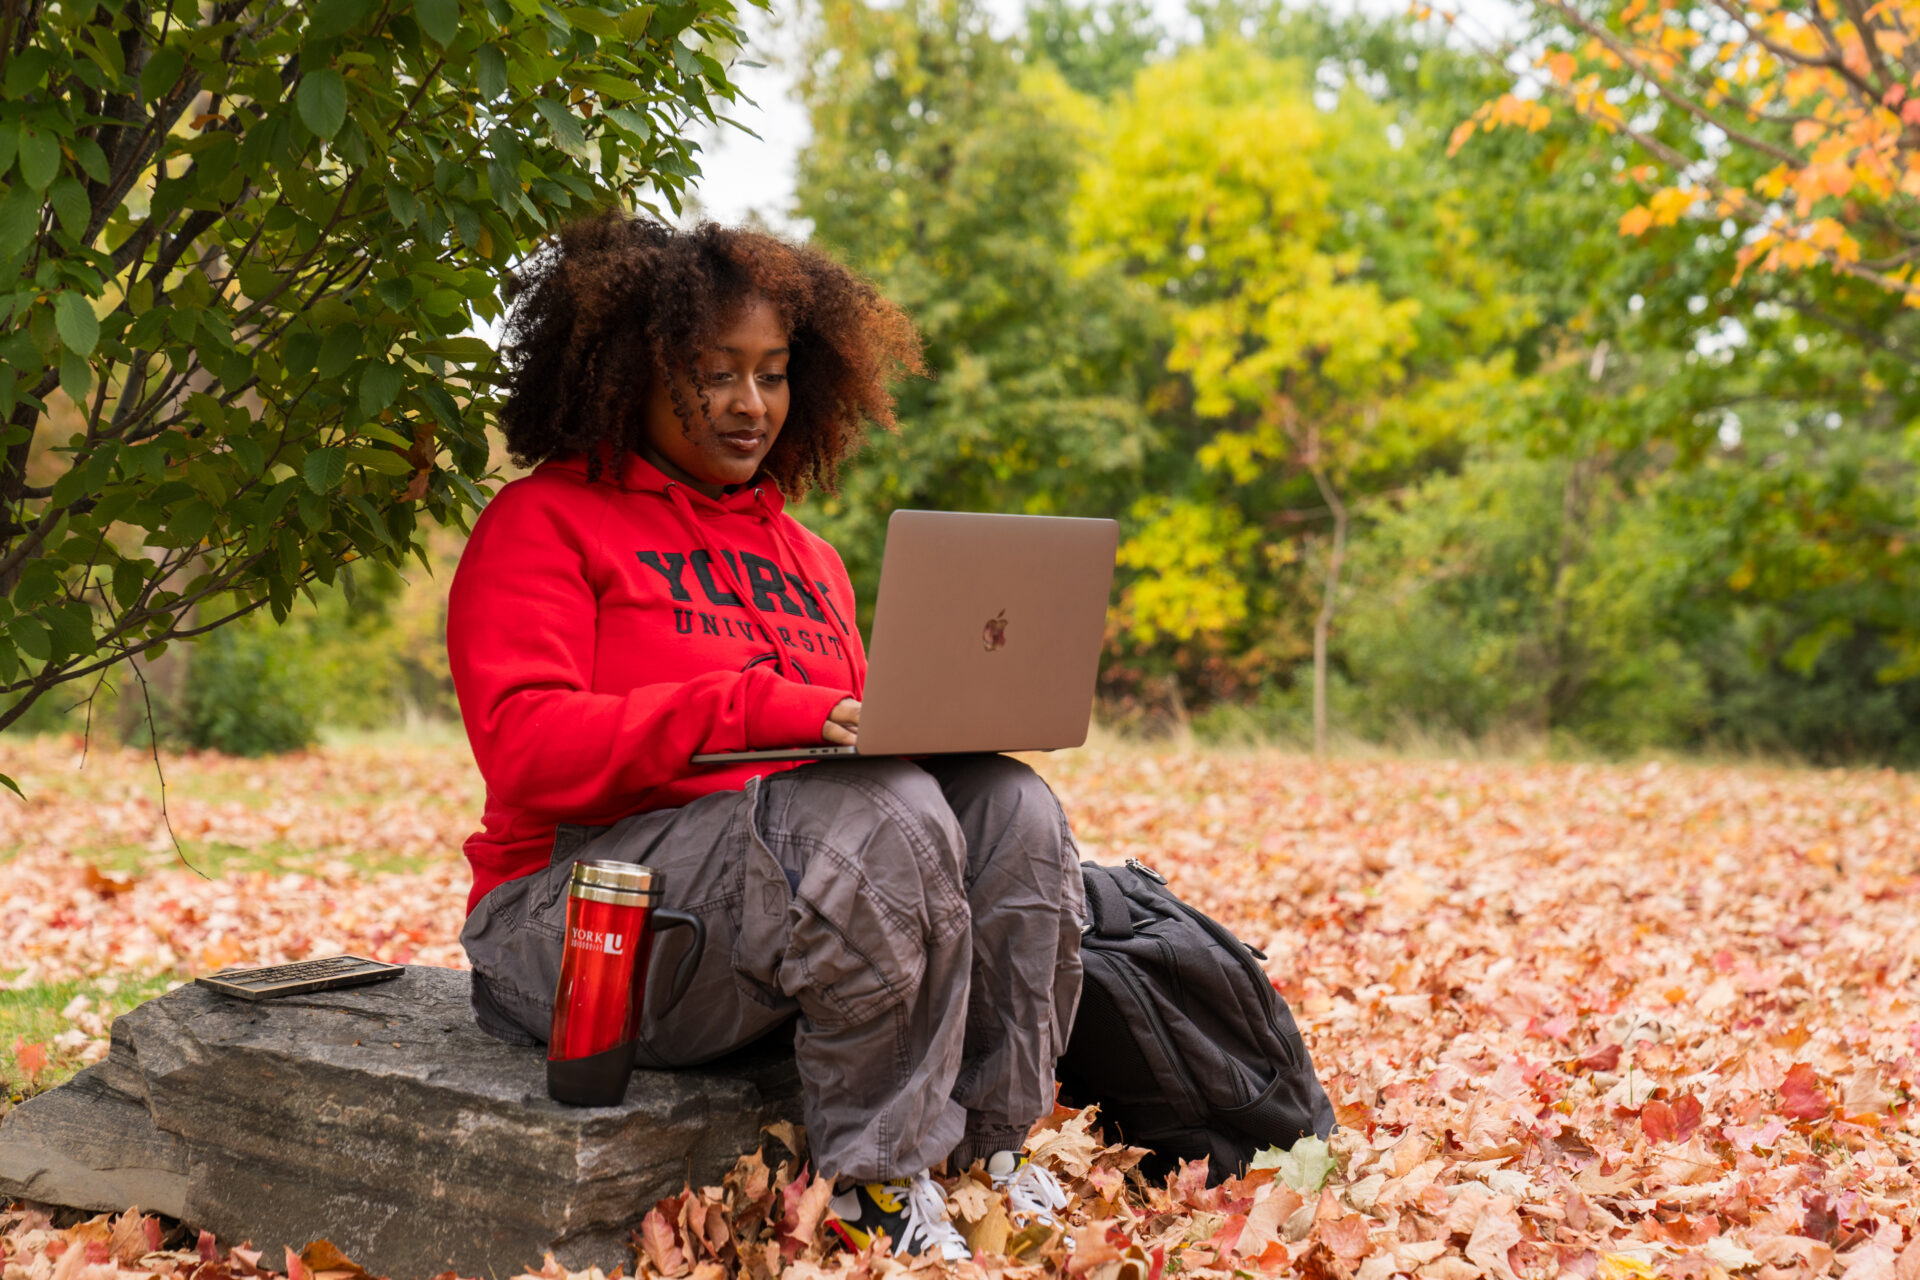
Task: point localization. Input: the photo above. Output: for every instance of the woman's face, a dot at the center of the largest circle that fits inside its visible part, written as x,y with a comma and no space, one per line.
744,376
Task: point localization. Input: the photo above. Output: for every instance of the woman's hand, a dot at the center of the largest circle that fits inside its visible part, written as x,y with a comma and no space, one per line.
842,728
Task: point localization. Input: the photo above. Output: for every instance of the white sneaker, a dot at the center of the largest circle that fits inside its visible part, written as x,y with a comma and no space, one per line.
911,1212
1033,1194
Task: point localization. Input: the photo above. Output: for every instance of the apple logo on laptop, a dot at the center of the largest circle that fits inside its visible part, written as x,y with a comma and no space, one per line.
994,634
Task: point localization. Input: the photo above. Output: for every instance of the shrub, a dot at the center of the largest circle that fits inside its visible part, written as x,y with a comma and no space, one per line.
245,697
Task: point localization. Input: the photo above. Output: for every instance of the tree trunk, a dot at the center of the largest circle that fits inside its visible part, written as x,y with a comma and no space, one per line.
1329,593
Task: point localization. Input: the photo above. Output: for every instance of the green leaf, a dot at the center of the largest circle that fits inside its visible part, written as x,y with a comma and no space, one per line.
93,161
162,72
39,158
19,220
303,348
76,376
445,411
466,222
396,293
38,583
612,86
286,548
128,577
324,469
385,461
340,349
506,189
69,201
322,101
257,279
586,18
249,452
12,786
403,204
192,522
440,19
72,626
71,484
1305,1166
79,328
379,384
375,524
632,121
335,17
633,23
30,637
27,69
566,128
490,72
469,349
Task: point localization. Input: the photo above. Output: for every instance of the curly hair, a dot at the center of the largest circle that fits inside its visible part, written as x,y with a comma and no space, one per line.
611,302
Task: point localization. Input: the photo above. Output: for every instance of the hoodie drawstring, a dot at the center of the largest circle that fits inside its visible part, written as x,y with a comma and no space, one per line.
791,567
722,567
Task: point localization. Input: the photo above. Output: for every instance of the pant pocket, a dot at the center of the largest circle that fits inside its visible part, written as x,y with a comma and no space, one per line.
515,950
856,956
766,901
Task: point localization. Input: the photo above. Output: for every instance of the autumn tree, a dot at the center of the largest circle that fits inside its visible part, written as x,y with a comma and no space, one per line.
1799,120
945,169
242,245
1217,187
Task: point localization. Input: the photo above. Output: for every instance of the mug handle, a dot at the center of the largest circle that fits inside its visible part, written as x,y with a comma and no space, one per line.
663,920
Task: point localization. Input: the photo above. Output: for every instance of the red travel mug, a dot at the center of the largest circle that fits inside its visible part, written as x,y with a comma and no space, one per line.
611,922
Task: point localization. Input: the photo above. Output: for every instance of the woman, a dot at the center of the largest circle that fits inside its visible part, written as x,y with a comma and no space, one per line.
643,596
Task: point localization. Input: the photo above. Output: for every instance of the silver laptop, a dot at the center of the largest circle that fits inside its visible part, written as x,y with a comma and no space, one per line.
986,637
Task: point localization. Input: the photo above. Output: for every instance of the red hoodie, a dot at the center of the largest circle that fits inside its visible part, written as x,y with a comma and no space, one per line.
601,634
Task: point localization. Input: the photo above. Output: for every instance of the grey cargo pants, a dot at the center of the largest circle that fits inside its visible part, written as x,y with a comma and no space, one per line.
921,920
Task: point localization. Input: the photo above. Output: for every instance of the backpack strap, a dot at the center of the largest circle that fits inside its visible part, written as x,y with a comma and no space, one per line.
1106,904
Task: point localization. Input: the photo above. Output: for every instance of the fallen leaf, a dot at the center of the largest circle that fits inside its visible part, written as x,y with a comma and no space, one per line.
662,1244
1070,1148
971,1199
1657,1122
1495,1232
1305,1166
805,1205
789,1135
1801,1096
32,1058
322,1257
1605,1058
1346,1237
988,1234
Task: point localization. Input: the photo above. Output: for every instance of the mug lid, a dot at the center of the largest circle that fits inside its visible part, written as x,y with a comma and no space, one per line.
621,877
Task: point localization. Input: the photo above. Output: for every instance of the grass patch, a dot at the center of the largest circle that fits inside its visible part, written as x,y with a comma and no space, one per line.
216,860
35,1015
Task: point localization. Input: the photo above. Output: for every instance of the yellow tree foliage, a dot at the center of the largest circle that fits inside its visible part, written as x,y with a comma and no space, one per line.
1208,190
1214,189
1800,121
1247,211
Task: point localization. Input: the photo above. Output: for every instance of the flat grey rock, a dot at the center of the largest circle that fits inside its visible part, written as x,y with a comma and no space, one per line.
380,1118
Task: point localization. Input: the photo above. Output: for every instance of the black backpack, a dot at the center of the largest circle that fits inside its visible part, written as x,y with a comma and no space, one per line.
1180,1038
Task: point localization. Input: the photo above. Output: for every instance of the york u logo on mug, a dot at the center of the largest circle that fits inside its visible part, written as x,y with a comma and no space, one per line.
994,634
612,944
